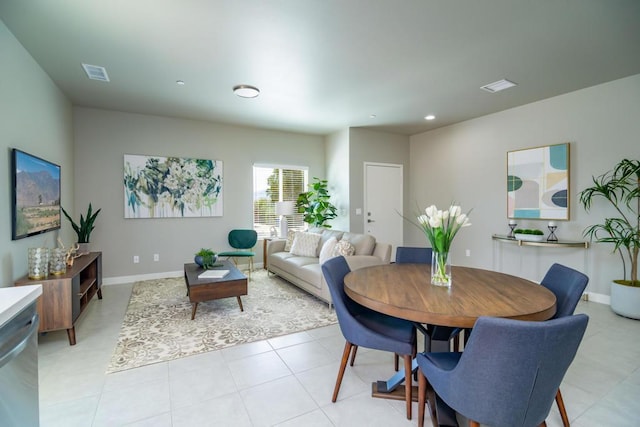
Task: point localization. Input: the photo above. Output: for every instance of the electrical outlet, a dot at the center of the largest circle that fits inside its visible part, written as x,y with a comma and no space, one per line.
156,257
136,259
467,252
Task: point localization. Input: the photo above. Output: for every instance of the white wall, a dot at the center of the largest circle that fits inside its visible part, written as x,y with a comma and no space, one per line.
466,163
103,137
337,149
37,118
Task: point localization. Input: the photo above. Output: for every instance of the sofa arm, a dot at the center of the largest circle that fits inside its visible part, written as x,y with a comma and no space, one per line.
276,246
361,261
383,251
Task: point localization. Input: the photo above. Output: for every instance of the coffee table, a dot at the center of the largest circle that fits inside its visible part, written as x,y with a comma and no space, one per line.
234,284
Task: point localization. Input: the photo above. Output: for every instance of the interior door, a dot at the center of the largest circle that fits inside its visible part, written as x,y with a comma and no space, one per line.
383,203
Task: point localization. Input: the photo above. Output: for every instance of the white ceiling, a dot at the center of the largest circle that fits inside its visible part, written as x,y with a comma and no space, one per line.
325,65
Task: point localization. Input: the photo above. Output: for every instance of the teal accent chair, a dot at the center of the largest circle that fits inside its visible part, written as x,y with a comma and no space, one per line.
243,241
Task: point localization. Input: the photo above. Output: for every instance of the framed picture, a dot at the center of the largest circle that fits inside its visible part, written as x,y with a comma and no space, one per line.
35,196
171,187
538,182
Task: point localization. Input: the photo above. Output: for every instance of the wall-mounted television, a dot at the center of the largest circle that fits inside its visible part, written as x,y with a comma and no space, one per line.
36,195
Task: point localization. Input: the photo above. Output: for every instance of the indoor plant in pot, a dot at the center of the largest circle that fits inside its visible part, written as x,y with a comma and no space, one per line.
84,229
206,258
621,188
315,204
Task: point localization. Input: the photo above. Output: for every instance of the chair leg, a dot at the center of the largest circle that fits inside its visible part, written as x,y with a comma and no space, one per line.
422,397
407,382
562,409
396,361
343,365
474,423
353,354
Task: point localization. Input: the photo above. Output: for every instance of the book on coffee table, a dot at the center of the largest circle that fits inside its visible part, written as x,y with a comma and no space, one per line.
213,274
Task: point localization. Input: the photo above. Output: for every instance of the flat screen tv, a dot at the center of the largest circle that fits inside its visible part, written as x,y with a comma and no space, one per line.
36,195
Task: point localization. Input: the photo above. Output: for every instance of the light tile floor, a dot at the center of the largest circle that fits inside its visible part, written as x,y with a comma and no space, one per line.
288,381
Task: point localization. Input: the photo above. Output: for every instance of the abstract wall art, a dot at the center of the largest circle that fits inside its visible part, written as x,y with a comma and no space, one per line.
171,187
538,182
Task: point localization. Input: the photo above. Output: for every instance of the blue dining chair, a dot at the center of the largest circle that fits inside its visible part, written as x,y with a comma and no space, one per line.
508,374
568,285
361,326
242,241
437,336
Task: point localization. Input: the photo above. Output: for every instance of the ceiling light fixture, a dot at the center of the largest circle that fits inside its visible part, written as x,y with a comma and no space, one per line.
96,72
498,86
430,117
246,91
180,82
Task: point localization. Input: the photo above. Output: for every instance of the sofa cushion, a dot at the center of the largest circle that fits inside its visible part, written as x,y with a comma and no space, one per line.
311,273
326,235
326,253
343,248
305,244
363,243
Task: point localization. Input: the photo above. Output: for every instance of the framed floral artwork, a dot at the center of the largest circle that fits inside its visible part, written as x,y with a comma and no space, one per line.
171,187
538,182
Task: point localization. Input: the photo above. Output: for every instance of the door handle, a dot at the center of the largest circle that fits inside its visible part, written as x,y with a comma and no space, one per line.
370,220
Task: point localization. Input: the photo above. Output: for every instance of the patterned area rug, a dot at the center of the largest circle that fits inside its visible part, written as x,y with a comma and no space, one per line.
157,326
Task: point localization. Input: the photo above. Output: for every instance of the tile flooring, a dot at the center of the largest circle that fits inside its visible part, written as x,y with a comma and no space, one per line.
288,381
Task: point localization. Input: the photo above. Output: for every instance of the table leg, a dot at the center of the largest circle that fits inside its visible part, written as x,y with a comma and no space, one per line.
71,334
240,303
193,310
99,293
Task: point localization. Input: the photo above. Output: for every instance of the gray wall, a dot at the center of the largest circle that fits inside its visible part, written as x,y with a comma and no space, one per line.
466,163
37,118
373,146
337,149
103,137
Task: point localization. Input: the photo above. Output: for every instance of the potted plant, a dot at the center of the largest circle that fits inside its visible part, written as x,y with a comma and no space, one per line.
206,258
84,229
529,234
621,188
315,204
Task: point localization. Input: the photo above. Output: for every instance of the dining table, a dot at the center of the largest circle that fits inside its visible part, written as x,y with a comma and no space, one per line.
405,291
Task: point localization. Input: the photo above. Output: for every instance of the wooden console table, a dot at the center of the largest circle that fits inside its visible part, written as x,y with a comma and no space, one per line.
65,297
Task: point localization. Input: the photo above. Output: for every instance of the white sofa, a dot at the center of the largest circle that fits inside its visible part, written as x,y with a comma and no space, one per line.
305,271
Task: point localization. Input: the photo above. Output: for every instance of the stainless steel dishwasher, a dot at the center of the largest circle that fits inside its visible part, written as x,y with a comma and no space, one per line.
19,370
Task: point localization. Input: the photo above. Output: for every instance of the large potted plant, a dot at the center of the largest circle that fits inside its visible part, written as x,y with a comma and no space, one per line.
621,188
315,204
84,229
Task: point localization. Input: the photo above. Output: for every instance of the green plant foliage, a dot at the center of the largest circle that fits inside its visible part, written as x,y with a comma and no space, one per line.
531,231
86,226
315,204
208,257
621,188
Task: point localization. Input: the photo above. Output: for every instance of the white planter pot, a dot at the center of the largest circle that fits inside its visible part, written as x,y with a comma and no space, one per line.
625,300
529,237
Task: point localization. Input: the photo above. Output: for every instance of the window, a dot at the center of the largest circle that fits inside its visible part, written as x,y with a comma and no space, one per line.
273,184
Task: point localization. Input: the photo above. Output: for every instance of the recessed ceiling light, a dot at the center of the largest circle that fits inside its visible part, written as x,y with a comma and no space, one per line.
430,117
246,91
372,116
499,85
180,82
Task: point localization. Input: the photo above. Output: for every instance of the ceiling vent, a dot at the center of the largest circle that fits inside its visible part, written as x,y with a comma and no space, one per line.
498,86
95,72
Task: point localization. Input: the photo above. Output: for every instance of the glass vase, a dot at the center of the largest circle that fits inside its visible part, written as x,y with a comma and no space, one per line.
57,261
38,263
440,269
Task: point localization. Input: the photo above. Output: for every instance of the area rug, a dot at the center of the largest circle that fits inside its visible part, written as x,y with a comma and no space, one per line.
157,326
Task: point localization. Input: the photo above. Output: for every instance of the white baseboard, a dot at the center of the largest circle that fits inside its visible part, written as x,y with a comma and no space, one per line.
600,298
120,280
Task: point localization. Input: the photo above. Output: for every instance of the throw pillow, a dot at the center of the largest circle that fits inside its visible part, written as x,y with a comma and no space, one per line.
290,235
305,244
326,253
343,248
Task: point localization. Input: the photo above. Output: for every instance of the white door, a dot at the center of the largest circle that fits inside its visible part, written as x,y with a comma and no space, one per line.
383,203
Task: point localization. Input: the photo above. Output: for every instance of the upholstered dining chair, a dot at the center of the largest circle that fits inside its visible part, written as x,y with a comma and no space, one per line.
568,285
361,326
243,242
439,334
508,374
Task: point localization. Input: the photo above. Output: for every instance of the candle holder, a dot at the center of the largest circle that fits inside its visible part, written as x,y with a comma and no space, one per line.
552,237
512,227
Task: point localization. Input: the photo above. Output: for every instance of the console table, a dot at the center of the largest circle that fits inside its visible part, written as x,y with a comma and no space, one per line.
64,297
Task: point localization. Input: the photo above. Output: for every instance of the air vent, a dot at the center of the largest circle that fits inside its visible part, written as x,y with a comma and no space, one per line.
95,72
498,86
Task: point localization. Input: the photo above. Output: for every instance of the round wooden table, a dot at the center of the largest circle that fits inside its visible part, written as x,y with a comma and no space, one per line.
405,291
